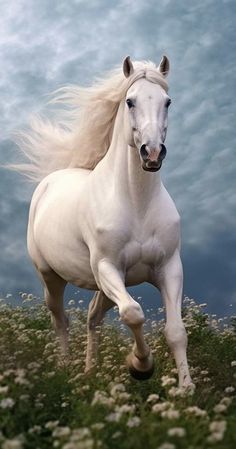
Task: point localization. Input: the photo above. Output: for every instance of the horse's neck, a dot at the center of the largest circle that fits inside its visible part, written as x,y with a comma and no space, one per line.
129,177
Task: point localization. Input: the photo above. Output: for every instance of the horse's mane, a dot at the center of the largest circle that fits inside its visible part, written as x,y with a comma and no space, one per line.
82,133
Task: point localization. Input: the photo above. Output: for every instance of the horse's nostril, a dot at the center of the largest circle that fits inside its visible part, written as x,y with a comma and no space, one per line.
163,152
144,153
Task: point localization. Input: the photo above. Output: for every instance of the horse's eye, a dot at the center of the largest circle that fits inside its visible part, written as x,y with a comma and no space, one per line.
168,102
129,103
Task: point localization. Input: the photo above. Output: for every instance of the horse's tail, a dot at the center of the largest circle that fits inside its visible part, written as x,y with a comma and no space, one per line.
46,147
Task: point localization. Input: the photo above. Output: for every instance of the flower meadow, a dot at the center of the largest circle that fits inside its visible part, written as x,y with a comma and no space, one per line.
47,401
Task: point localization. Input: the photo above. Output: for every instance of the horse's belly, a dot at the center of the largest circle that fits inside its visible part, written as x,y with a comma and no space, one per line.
77,270
70,262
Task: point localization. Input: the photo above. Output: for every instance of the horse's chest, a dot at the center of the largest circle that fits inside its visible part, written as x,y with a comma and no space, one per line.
148,252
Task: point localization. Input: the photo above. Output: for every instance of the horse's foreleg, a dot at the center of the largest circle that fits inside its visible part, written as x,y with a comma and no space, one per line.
140,361
98,307
171,285
54,287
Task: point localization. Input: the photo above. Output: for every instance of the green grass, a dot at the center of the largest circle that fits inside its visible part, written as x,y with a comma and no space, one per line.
44,404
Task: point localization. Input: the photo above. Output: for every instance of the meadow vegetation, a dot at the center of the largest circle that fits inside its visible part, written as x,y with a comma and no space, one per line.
46,404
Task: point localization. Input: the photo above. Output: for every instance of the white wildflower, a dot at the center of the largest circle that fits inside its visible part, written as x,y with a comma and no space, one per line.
117,388
60,432
182,391
134,421
229,389
24,295
100,397
215,436
8,372
51,424
166,380
33,365
206,379
4,389
49,346
113,417
226,401
24,397
50,374
156,408
194,410
35,429
98,426
117,434
153,397
124,396
80,434
85,444
167,446
233,363
170,414
20,380
70,445
12,444
125,408
220,408
218,426
7,403
64,404
177,432
20,372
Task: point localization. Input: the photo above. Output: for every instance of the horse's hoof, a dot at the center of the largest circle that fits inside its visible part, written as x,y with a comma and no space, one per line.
143,373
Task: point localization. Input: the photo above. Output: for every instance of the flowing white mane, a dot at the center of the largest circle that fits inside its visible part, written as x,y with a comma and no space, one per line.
82,134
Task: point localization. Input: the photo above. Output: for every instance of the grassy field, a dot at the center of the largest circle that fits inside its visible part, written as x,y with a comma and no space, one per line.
46,405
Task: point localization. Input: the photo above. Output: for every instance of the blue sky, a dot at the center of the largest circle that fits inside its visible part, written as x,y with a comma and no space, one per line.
46,44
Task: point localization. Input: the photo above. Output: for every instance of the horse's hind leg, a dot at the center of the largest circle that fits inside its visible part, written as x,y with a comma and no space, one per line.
98,307
54,287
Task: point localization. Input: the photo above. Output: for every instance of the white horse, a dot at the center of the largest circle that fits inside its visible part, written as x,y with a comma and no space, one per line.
101,218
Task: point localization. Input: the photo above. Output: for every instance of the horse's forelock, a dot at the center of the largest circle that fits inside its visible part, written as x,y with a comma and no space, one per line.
149,72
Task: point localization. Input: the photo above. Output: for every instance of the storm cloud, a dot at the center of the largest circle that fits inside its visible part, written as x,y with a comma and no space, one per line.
44,45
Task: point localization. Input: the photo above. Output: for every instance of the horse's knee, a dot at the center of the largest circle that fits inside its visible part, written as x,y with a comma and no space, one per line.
175,335
132,314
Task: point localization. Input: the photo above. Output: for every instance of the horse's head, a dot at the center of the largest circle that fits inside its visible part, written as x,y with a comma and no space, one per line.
146,113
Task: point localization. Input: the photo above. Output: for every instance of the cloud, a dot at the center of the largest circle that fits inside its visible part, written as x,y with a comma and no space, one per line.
44,45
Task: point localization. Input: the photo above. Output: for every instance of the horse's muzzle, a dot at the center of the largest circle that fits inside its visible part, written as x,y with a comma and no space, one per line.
150,164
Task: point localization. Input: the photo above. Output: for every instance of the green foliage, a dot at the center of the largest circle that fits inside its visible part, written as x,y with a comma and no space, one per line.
47,402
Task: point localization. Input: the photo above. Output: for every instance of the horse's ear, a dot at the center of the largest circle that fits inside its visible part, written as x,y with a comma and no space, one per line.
164,66
128,68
